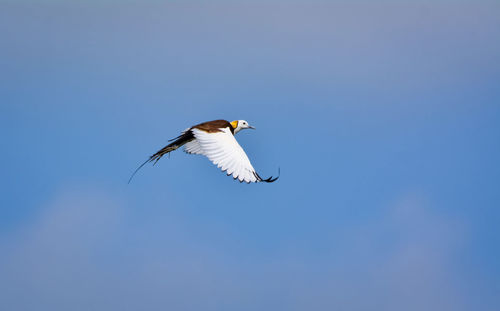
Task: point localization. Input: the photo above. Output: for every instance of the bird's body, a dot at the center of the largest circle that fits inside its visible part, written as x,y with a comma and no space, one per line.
215,140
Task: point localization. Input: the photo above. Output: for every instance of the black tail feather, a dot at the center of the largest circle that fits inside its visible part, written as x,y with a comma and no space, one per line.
177,142
137,169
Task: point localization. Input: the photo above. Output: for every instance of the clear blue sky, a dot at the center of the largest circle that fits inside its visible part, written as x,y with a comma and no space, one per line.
384,119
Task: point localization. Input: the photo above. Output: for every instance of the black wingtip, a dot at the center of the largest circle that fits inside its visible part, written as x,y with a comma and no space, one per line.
270,179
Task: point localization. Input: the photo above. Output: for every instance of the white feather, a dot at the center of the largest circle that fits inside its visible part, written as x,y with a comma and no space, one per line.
224,151
193,147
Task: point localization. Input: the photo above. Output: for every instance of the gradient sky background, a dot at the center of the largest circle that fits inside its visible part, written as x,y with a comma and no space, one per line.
384,118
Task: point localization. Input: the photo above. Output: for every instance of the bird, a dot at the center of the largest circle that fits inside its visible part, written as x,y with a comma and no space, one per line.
215,140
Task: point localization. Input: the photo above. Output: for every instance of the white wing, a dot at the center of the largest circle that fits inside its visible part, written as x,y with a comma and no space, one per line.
224,151
193,147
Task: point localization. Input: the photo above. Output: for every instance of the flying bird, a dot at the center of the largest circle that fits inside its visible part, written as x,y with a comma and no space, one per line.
215,140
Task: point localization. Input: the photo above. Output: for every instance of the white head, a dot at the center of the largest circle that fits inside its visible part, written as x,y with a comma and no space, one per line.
239,125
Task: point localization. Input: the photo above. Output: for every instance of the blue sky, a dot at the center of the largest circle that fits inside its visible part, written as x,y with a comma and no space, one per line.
383,117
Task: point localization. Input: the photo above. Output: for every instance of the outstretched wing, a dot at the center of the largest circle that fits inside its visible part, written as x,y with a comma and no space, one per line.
193,147
224,151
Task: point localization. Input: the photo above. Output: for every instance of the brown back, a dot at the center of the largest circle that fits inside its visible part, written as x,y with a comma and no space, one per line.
214,126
